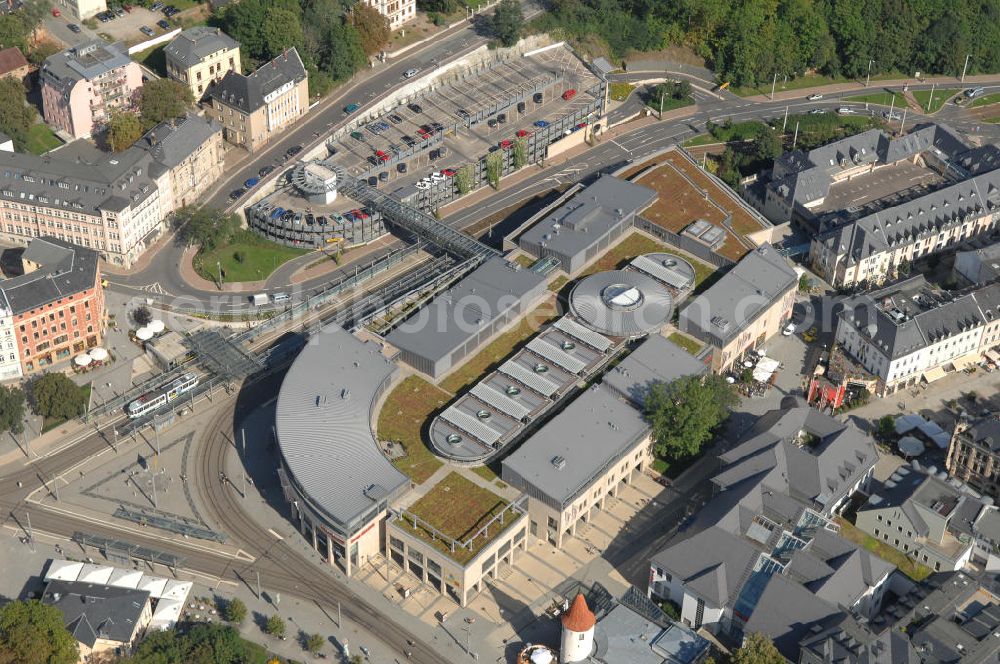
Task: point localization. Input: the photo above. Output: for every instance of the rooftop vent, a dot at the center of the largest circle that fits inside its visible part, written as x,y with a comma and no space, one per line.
559,462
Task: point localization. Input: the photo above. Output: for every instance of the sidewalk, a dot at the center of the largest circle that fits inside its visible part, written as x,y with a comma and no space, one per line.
802,93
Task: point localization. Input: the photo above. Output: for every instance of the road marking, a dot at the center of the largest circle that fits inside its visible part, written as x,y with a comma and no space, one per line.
275,534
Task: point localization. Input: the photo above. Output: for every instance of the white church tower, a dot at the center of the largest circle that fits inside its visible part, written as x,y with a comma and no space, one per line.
578,626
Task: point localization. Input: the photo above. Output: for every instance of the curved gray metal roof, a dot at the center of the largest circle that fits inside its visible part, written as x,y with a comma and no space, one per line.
621,303
323,420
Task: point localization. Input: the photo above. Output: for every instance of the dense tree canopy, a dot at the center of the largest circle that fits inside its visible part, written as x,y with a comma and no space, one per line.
124,129
202,644
162,99
55,395
33,633
684,413
16,117
11,409
205,227
758,649
749,41
372,27
330,45
508,21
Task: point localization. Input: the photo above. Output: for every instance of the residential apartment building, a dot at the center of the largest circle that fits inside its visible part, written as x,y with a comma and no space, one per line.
81,9
107,202
57,305
910,332
83,85
745,308
924,517
252,108
979,266
397,11
974,455
201,56
189,153
10,358
771,516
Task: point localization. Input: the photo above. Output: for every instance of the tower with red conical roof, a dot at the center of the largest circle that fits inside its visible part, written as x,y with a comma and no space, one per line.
578,626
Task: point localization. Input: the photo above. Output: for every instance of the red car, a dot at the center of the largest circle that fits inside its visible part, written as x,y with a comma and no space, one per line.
423,134
56,12
448,173
569,94
382,157
521,133
358,214
581,125
505,144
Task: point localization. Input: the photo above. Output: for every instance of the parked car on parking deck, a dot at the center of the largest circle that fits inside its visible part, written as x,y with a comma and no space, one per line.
350,108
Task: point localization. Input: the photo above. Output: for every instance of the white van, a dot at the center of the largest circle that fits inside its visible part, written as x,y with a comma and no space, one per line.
260,299
280,297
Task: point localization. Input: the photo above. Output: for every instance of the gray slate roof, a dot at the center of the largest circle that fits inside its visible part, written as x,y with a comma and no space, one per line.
322,421
467,308
596,428
171,142
655,360
92,180
787,611
837,570
195,44
247,92
917,329
84,62
67,269
93,611
722,312
819,474
712,563
985,432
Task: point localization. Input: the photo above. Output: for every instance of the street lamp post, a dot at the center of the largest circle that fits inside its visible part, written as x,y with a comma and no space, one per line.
774,82
868,78
966,66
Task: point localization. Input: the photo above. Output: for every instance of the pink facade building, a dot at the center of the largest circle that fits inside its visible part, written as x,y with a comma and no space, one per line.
83,85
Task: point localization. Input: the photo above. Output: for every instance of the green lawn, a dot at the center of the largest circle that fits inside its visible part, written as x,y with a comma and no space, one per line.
558,283
49,423
458,508
154,58
700,139
923,98
987,100
669,103
524,260
405,412
906,565
486,473
883,97
474,368
41,139
259,259
620,91
685,342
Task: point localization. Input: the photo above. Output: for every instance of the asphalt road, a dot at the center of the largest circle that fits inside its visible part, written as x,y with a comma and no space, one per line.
162,276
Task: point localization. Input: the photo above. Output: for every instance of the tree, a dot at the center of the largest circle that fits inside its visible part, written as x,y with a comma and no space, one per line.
42,51
805,284
142,316
11,409
886,427
757,649
357,659
16,116
163,99
275,626
508,21
520,153
444,6
33,633
13,31
494,168
464,179
280,31
236,610
124,129
56,396
684,413
205,227
314,643
372,27
767,145
343,53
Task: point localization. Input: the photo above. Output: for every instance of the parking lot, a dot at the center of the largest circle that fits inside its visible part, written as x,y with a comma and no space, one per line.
459,121
127,26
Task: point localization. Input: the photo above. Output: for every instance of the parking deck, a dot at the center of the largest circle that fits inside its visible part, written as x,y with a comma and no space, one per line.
287,218
459,120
